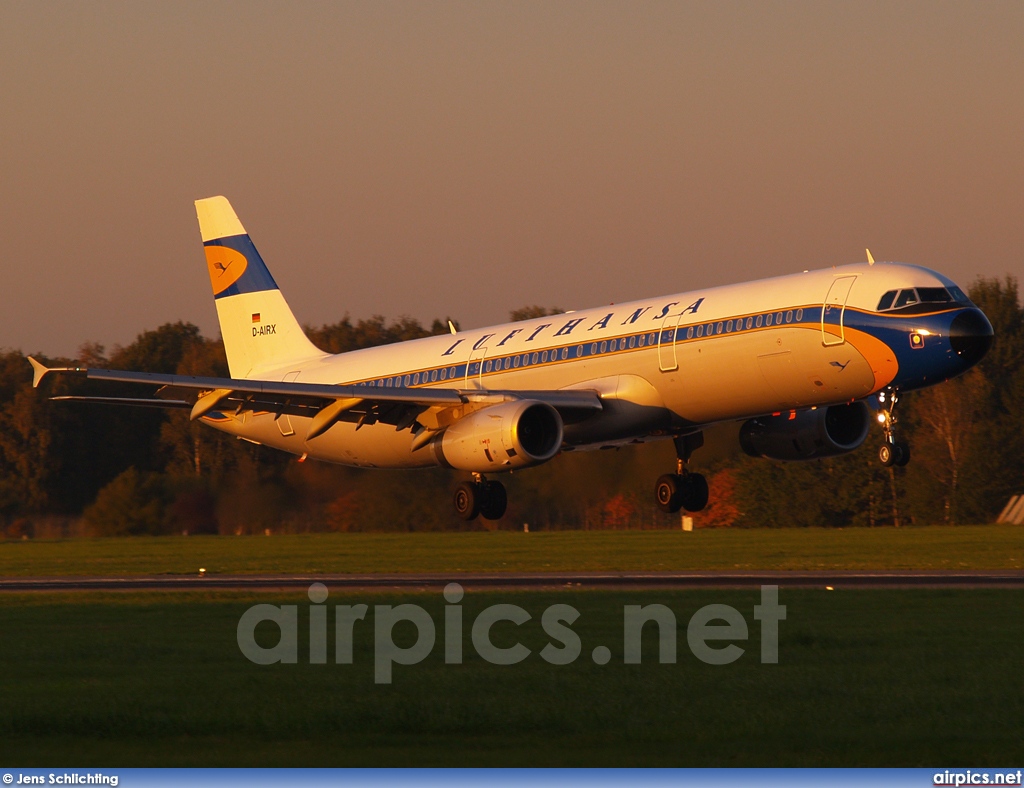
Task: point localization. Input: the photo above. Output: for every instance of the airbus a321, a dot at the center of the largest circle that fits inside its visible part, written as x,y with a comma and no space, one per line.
797,359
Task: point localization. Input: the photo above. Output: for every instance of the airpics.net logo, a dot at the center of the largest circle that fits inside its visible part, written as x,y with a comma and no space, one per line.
712,633
969,777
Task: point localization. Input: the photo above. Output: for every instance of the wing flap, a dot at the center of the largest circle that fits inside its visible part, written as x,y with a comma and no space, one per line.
138,402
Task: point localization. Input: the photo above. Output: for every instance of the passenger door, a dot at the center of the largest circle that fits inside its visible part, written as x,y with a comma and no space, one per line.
668,359
835,301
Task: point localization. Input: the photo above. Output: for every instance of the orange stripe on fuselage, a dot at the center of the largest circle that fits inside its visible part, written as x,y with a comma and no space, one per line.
880,357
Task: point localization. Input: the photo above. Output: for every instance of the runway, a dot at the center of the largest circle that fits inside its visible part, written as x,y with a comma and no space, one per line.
528,581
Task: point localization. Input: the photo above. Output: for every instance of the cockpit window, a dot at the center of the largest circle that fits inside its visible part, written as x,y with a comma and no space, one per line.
934,295
905,298
922,299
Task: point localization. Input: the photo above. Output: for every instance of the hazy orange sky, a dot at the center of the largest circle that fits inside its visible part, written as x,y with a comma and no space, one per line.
465,159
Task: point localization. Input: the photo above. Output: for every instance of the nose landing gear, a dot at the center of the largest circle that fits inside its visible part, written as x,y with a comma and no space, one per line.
682,489
892,452
486,498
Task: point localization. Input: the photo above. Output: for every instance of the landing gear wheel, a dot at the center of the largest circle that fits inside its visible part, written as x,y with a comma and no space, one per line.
897,454
892,452
667,493
467,500
494,500
682,490
694,492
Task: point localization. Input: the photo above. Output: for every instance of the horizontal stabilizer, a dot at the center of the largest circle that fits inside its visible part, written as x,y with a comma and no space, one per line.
40,371
137,402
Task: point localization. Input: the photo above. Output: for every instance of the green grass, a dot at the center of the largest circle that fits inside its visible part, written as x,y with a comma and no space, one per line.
934,547
865,678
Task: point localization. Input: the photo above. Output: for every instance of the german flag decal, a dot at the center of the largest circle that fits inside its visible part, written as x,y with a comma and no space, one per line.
255,317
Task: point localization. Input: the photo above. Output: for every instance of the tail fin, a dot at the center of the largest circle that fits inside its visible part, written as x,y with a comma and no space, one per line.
259,330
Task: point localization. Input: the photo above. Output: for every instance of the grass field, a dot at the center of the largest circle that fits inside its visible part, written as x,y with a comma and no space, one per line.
865,678
934,547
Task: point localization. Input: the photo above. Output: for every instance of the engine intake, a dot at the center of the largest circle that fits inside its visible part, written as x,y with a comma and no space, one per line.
502,437
811,434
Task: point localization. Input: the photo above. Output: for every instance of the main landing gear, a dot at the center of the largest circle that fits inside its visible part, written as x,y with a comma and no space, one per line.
682,489
480,497
892,451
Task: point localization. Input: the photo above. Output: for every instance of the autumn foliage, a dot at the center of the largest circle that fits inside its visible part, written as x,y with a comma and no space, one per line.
91,469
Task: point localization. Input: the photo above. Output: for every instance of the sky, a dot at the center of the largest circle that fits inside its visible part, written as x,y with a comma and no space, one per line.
466,159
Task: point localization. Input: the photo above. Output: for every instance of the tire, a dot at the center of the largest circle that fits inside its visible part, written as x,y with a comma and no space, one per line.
666,493
887,455
694,492
903,453
494,501
467,500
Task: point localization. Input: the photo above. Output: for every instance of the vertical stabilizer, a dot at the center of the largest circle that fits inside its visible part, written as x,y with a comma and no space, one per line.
259,330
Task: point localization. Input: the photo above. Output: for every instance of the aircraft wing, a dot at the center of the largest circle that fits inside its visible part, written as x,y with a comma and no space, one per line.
324,403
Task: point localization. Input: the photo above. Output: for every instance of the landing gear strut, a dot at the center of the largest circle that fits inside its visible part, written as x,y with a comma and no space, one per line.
682,489
480,497
892,451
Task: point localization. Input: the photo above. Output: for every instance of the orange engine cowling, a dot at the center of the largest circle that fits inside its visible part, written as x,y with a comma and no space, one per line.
501,438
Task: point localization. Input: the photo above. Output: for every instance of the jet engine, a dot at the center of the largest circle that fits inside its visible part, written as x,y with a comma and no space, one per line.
501,437
807,434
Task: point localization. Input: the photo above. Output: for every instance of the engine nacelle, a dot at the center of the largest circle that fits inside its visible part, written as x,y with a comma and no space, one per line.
502,437
811,434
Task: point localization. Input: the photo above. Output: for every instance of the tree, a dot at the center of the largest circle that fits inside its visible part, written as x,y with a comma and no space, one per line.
947,417
722,510
344,336
994,469
530,312
131,505
192,449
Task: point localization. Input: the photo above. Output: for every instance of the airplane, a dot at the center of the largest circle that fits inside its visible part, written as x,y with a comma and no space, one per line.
801,360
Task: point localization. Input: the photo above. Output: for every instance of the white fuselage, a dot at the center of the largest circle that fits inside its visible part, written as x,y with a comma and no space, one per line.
660,365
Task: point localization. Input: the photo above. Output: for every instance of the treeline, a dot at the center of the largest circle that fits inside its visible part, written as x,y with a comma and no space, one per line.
76,468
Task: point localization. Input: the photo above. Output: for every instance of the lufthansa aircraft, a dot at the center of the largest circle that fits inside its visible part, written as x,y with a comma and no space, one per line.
796,358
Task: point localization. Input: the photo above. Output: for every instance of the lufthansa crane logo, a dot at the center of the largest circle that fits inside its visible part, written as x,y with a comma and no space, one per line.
226,267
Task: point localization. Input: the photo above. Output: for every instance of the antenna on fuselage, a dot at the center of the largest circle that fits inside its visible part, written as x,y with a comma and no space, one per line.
452,328
871,260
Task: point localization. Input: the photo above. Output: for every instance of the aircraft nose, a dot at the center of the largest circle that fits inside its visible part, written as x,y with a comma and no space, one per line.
970,336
